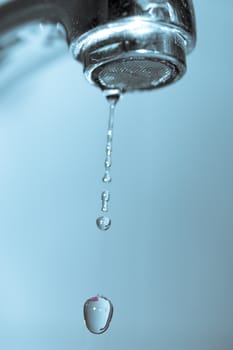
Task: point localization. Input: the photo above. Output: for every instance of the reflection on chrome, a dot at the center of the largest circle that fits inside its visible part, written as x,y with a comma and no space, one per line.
124,44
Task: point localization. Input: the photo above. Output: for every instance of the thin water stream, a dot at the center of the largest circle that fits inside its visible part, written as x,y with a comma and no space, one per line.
104,222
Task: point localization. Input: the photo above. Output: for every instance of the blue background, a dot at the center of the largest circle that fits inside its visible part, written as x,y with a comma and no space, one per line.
166,263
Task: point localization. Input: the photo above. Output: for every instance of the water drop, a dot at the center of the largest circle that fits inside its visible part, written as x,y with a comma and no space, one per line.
103,223
109,150
108,161
97,312
105,197
112,95
107,177
104,207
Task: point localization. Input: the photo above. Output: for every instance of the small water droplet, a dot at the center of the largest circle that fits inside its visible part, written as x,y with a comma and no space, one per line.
104,207
108,151
112,95
103,223
97,312
105,195
108,161
107,177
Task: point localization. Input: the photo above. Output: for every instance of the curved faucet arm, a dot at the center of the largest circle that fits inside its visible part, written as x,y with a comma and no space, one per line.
77,16
36,31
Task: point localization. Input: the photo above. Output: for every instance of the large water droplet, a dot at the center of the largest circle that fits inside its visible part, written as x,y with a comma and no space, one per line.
103,223
97,312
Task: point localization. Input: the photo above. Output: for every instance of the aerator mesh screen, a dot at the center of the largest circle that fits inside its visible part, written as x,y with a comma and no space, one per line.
134,74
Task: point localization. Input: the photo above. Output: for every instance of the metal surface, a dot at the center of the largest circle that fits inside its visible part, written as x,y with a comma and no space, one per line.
128,45
35,32
145,54
143,45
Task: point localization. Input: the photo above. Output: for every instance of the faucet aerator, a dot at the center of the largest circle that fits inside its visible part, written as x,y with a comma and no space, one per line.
133,53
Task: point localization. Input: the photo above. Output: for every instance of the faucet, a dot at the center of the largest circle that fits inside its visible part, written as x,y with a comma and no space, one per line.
125,45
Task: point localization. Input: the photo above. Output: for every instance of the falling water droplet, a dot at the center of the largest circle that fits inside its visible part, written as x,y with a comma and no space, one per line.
97,312
103,223
107,177
108,161
105,197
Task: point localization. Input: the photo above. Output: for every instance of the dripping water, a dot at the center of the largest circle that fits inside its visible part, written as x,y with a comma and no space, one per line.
97,312
104,222
112,99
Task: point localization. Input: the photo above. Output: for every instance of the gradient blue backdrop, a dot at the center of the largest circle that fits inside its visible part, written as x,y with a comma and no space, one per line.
166,264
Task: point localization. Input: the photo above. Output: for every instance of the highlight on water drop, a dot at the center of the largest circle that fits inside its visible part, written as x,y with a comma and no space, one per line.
97,312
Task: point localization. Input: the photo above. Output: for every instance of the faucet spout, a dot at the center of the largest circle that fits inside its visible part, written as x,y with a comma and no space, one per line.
139,45
125,45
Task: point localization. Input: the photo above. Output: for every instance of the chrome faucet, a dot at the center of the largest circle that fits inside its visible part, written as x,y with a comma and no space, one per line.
123,44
